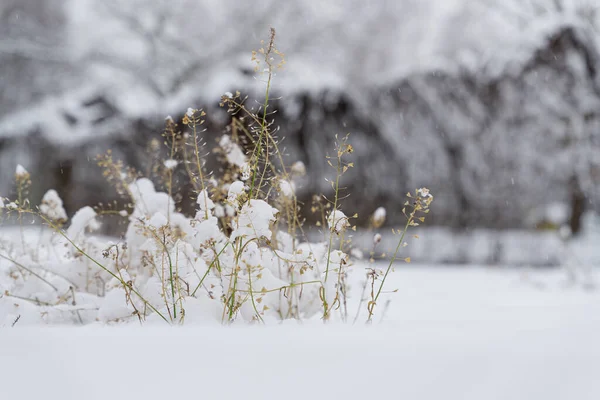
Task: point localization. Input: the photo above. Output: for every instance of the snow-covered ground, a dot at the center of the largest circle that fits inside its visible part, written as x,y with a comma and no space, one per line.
438,332
449,333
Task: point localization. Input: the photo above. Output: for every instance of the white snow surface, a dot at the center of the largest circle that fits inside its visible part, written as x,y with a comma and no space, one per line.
449,333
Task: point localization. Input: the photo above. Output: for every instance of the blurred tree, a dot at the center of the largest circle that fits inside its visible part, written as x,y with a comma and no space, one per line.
33,59
164,45
494,104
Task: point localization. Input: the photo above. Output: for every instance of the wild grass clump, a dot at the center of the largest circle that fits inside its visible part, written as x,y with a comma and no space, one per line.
243,255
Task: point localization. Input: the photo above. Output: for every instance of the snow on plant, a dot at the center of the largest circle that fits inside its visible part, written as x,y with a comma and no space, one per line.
205,205
337,221
170,164
376,239
83,220
287,188
235,192
298,168
21,171
254,220
52,206
240,256
378,217
233,152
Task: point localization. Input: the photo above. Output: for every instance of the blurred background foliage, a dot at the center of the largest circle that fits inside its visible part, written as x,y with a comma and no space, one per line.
494,105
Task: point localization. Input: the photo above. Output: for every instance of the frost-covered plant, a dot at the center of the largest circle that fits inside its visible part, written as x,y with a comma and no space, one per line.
241,255
414,210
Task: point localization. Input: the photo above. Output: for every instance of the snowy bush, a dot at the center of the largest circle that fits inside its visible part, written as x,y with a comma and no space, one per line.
242,255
